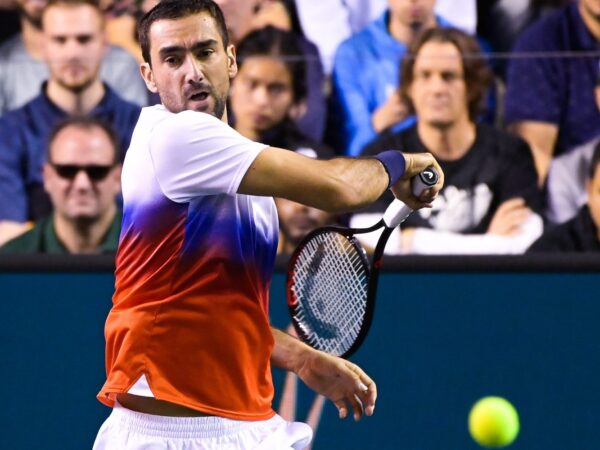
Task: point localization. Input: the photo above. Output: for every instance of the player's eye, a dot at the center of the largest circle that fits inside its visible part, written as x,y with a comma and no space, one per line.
171,60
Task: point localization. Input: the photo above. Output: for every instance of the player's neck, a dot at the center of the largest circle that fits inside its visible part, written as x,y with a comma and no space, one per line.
81,102
406,33
448,143
81,237
32,39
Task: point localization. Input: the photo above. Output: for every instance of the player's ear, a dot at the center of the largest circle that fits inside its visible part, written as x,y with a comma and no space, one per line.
231,61
148,77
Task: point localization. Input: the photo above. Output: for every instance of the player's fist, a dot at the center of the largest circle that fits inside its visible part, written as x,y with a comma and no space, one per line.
415,164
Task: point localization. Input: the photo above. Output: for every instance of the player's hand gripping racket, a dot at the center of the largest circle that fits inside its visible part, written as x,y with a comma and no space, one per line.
331,286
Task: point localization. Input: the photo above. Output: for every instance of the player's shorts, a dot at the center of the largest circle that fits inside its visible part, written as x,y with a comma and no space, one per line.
129,430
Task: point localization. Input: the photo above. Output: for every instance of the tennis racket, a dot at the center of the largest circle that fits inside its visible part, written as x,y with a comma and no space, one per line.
331,285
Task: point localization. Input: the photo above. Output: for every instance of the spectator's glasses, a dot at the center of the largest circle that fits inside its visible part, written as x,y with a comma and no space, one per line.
70,171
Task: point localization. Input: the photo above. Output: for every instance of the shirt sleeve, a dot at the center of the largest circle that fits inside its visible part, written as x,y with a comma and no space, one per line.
349,102
195,154
13,198
534,85
433,242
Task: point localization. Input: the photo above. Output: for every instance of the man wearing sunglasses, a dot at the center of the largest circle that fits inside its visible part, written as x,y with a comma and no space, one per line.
74,47
82,178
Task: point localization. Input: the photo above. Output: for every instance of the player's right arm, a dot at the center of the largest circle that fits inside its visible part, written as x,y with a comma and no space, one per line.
336,185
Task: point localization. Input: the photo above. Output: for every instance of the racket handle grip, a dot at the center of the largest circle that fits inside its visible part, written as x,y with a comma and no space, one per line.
397,211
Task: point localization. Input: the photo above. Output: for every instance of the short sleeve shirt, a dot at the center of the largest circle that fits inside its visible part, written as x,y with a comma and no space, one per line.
552,76
193,270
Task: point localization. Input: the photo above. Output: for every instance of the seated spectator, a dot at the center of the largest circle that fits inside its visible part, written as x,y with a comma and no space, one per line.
23,68
296,221
271,80
490,200
327,24
74,87
566,184
548,100
365,76
270,84
581,233
82,176
567,177
243,16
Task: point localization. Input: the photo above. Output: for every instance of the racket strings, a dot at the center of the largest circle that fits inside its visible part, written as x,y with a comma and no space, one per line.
330,282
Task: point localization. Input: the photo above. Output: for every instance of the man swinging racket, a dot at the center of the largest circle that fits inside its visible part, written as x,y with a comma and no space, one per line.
189,347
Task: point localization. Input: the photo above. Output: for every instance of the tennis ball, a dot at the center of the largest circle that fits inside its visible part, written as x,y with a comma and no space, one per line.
493,422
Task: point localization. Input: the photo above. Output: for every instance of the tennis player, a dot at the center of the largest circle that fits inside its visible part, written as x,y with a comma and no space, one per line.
189,347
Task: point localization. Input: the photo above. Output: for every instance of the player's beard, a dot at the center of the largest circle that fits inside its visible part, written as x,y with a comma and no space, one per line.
220,103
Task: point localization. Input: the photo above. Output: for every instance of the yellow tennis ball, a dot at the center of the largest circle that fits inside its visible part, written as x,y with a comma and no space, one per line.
493,422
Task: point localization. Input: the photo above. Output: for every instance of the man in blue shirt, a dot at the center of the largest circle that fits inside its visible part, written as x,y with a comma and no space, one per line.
74,47
548,100
366,73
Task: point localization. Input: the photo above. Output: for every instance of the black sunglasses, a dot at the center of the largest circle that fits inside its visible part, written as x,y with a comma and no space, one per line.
70,171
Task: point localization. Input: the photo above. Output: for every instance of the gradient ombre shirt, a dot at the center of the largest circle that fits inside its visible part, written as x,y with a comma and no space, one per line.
190,309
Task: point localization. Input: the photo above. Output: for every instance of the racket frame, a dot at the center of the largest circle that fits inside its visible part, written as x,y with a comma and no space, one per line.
372,267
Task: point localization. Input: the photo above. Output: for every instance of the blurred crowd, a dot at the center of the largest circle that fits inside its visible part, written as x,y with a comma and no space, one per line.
504,93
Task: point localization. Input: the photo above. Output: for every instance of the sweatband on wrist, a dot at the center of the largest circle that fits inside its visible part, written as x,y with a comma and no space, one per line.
394,163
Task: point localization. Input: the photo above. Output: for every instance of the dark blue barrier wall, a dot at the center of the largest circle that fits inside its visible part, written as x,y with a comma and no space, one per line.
441,338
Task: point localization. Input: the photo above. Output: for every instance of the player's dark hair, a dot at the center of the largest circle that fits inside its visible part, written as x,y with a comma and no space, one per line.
279,44
477,74
85,123
177,9
595,160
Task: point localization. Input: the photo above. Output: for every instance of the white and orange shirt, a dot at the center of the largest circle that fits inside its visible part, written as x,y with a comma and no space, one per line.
190,309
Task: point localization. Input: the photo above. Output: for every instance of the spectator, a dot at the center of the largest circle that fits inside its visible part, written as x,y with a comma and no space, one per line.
548,100
23,68
74,87
567,177
271,80
365,99
490,200
270,84
328,23
581,233
82,176
566,186
501,22
121,23
242,17
296,221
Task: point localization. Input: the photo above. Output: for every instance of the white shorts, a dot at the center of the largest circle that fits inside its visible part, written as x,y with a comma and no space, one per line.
129,430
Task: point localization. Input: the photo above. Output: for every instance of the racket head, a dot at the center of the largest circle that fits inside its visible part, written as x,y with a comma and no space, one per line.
328,291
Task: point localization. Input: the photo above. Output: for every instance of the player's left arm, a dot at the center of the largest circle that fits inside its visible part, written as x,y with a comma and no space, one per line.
341,381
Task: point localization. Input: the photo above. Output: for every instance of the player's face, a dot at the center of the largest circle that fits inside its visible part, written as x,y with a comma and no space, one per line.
261,94
413,13
297,220
191,69
80,197
438,90
593,190
32,10
74,44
